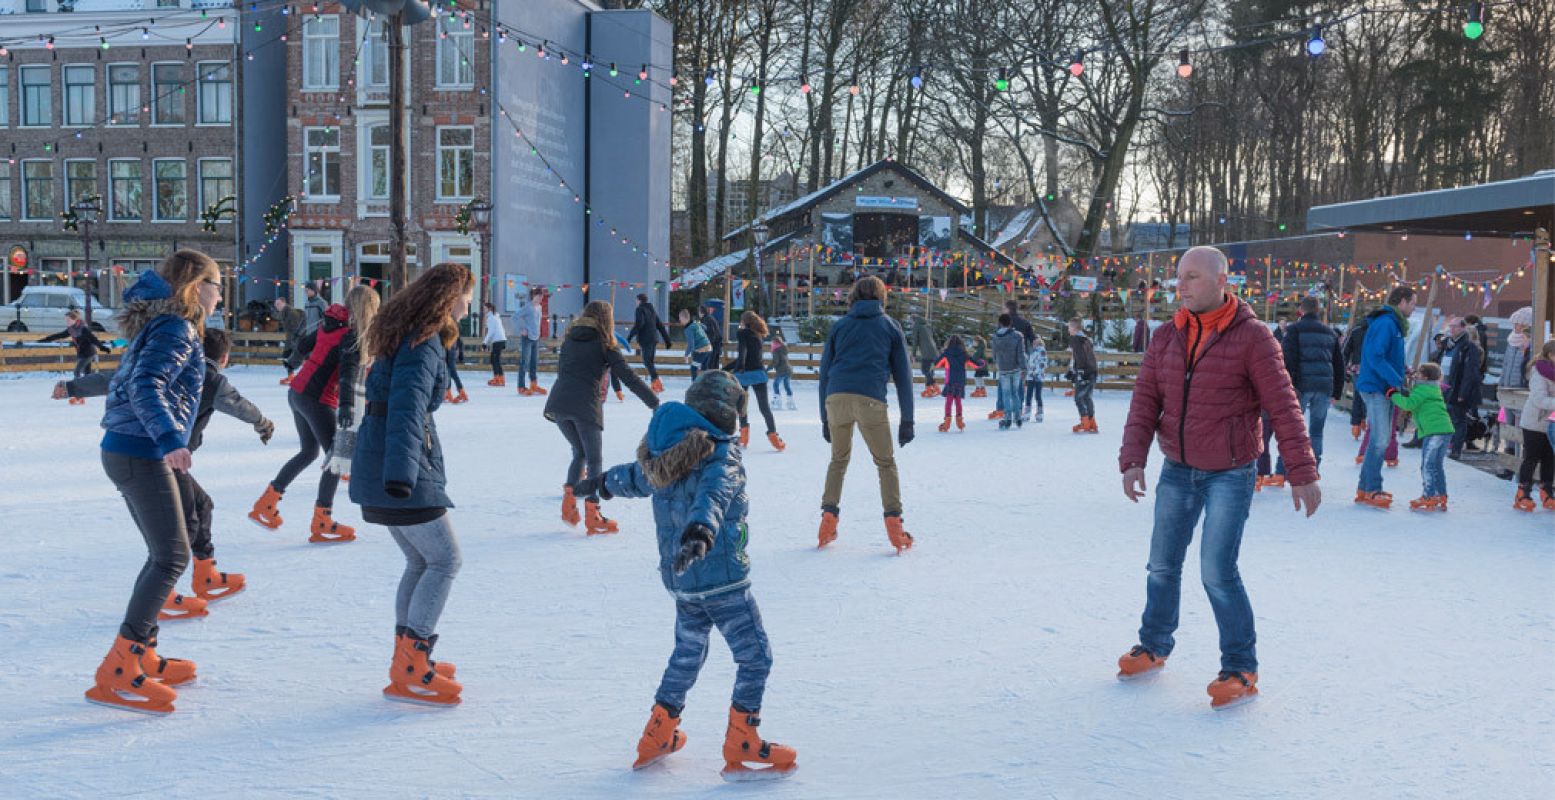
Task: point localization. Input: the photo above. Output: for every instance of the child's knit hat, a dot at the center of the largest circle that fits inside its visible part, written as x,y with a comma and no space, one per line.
717,396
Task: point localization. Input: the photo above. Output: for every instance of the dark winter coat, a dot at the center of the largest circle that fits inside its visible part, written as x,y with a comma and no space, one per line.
398,460
1083,362
780,365
218,394
1313,358
693,472
954,361
713,327
1009,350
1382,352
583,362
1464,380
1209,417
864,351
1023,327
747,357
319,354
646,325
923,339
87,344
154,394
293,321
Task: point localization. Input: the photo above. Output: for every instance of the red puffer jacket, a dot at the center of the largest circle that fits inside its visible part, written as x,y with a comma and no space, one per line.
1209,418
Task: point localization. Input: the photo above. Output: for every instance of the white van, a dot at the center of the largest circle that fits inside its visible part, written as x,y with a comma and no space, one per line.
41,309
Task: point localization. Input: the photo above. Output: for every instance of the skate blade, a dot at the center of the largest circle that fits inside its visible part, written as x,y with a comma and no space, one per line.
1233,703
263,524
316,539
400,695
222,594
739,773
602,531
136,706
1140,676
163,616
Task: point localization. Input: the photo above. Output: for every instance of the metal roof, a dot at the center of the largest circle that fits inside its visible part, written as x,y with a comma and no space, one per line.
1512,206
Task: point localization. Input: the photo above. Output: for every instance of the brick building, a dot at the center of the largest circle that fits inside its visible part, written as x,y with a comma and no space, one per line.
337,132
140,104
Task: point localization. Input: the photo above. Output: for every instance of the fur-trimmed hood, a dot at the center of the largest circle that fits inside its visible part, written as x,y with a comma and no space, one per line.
678,441
149,297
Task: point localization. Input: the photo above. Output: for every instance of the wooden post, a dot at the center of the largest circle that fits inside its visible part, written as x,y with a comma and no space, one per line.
1543,291
1281,296
1268,278
928,299
1425,322
1339,293
811,288
790,282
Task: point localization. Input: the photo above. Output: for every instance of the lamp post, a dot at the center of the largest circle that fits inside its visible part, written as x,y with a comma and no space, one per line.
86,211
759,233
480,218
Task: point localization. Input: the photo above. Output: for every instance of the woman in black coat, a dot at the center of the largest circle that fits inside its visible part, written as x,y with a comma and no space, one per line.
576,403
747,366
1465,382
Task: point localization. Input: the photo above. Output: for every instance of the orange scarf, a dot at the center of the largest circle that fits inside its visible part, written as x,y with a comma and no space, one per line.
1210,322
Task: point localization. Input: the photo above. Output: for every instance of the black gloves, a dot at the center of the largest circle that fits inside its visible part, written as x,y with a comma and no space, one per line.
592,487
904,432
1070,376
694,543
397,490
826,431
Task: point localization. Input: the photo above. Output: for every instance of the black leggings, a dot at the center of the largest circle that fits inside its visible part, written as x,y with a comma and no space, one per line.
496,357
760,390
198,507
316,429
1537,453
151,492
648,351
584,437
454,354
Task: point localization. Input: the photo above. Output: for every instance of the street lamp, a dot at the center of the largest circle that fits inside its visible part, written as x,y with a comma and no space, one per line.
480,218
86,211
759,233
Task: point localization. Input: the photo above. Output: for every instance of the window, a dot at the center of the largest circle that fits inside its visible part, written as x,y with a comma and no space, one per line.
171,179
455,163
5,190
167,94
215,93
375,56
38,190
378,166
34,6
455,48
125,179
215,182
323,163
37,97
320,52
80,179
80,94
5,96
124,94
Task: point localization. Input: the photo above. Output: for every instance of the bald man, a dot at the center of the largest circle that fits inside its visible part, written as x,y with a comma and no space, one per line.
1205,381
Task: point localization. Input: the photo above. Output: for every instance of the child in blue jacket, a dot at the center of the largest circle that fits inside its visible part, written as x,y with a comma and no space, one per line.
689,464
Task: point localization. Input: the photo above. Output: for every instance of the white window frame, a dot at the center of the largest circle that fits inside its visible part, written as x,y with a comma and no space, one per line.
156,193
324,46
140,179
157,99
205,202
70,196
7,210
27,184
441,148
374,53
67,102
134,114
326,153
448,48
5,96
366,168
22,71
203,69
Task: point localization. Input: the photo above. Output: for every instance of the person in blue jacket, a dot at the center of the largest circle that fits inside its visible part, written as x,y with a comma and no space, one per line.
864,351
152,402
397,472
1382,368
690,465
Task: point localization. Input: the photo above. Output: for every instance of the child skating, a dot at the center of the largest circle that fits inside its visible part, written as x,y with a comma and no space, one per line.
1424,401
782,373
1036,370
689,464
953,361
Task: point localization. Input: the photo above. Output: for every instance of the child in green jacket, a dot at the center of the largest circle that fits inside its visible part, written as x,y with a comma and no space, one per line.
1424,401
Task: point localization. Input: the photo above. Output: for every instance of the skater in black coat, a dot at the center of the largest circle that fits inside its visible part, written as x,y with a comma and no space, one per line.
748,369
576,403
86,343
649,330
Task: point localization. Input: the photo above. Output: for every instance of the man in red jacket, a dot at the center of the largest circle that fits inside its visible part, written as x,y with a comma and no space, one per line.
1203,385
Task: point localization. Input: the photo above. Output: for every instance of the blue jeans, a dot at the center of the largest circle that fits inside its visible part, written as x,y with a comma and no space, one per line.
1433,452
739,621
1034,390
528,359
1223,497
782,384
1315,406
1379,409
1009,393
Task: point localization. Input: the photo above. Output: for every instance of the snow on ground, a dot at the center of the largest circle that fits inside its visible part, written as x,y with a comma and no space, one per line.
1402,655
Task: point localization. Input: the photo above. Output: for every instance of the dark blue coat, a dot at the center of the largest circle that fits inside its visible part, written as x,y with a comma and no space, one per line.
864,351
398,445
1312,357
156,389
693,472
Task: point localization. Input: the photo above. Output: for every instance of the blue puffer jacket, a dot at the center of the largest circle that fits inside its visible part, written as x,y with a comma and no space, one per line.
156,390
397,443
864,351
1382,352
693,472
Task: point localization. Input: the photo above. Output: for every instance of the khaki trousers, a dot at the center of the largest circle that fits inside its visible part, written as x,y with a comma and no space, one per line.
843,412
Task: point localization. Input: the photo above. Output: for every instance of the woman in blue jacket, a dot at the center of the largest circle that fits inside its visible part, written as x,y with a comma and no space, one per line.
397,474
151,407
